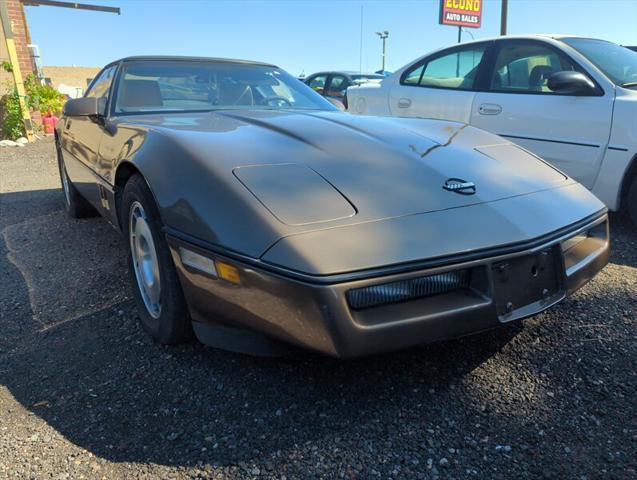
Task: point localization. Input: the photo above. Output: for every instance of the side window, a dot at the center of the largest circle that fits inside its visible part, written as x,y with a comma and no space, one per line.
318,83
455,70
526,67
101,88
338,86
413,76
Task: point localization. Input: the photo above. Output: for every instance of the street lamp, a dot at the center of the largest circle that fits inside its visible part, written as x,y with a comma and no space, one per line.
383,36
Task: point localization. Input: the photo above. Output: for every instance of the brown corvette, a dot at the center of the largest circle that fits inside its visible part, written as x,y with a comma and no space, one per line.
257,215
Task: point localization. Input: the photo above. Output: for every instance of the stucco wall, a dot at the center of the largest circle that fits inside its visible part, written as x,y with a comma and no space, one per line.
70,76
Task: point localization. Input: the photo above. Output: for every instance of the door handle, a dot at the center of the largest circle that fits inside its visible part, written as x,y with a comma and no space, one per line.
404,103
489,109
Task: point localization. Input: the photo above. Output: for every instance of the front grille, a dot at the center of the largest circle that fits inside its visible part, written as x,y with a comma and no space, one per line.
410,289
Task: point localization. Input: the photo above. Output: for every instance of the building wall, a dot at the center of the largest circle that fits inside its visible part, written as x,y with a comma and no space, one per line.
21,39
20,35
69,76
5,77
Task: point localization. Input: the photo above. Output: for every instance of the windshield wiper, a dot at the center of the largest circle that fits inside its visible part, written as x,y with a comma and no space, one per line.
629,84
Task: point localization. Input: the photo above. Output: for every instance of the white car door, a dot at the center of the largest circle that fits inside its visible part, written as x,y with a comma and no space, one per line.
570,131
439,86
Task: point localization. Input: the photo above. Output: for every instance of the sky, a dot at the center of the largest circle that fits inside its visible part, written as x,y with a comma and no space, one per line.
302,35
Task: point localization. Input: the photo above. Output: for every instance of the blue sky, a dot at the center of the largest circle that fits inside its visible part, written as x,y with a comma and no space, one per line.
300,35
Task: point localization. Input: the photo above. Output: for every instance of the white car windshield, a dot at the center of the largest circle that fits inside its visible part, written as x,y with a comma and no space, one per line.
160,86
619,64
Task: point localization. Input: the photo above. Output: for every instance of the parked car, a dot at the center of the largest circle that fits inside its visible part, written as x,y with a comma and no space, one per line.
257,214
572,101
334,84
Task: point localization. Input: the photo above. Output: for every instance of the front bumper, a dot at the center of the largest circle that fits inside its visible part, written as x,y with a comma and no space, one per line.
317,316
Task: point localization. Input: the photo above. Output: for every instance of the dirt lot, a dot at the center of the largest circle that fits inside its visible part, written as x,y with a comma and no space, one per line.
85,394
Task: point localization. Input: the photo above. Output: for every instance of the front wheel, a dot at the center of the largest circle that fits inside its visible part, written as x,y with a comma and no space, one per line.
160,300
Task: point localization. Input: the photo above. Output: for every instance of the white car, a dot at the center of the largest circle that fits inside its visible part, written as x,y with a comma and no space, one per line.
570,100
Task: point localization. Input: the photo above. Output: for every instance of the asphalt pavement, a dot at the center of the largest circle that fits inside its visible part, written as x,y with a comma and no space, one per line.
84,393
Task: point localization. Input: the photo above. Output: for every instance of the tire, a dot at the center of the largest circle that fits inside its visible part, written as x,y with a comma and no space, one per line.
160,301
631,201
74,203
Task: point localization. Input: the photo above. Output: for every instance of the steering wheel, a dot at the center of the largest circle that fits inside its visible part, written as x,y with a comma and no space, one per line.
280,100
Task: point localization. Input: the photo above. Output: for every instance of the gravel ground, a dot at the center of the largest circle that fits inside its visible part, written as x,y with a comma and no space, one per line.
85,394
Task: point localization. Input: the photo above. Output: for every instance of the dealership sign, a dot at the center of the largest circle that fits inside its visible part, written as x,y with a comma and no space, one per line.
462,13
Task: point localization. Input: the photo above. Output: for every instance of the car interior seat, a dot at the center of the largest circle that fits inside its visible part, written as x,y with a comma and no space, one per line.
139,94
236,94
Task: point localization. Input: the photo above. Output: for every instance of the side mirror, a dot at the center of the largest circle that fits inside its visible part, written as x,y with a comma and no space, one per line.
81,107
569,82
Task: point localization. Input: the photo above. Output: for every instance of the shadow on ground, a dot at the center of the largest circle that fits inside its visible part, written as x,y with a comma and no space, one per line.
73,353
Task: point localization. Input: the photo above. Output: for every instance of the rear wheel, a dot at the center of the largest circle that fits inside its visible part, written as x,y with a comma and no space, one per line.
631,201
74,203
160,300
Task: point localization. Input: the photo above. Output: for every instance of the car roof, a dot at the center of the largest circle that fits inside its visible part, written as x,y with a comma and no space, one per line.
178,58
534,36
344,72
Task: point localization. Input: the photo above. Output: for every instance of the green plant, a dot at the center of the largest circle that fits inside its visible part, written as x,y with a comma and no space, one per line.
43,98
40,97
12,123
6,66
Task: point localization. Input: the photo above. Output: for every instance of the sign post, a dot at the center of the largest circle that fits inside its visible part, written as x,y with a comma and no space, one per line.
461,13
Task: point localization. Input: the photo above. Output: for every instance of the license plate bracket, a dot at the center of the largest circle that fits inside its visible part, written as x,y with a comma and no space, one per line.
528,284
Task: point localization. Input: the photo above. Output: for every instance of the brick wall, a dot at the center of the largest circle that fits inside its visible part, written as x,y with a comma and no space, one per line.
20,35
5,77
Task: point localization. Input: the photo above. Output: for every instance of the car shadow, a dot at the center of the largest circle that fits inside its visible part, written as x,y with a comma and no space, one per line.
623,240
77,357
73,353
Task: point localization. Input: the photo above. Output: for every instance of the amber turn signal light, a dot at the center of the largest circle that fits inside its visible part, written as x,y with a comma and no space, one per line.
228,272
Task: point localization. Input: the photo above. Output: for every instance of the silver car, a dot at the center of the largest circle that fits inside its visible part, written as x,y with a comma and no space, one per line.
258,216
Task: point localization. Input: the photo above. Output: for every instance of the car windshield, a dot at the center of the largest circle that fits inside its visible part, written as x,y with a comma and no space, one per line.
619,64
152,86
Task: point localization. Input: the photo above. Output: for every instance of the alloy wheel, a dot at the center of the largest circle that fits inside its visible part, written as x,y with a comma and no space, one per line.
144,256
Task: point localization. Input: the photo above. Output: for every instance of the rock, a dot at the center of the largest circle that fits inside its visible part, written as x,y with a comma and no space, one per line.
22,141
8,143
443,462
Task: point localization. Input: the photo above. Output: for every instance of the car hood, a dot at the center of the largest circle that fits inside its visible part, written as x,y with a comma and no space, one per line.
382,167
324,193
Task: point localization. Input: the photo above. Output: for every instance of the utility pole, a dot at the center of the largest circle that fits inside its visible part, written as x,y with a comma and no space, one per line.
383,36
503,17
360,53
15,69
